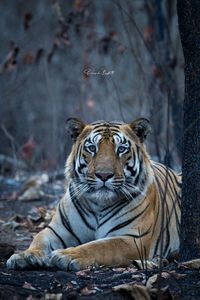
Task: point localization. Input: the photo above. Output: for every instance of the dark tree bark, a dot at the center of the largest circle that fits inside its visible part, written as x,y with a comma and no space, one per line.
189,26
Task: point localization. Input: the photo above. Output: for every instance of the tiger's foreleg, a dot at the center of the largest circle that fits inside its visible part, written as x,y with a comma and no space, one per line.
38,252
113,251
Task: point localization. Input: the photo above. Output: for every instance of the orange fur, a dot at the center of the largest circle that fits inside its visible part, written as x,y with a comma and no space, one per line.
154,212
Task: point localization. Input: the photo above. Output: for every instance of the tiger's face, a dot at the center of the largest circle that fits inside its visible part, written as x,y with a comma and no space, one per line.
108,159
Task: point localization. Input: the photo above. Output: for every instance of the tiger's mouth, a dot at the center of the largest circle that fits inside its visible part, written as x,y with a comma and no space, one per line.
102,188
105,192
102,196
105,189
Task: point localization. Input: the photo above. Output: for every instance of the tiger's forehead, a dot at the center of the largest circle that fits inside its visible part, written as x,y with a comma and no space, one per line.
106,131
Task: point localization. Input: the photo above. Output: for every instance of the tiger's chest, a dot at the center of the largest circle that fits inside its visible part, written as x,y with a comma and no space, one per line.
117,220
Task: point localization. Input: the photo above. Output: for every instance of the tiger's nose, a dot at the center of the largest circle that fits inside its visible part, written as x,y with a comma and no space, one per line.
104,176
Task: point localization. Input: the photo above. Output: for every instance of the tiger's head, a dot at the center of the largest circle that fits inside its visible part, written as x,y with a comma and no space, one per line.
108,159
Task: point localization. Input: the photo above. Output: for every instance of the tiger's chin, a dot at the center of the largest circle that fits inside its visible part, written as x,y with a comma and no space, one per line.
102,196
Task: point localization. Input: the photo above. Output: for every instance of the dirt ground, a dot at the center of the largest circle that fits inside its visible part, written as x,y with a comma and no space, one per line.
26,206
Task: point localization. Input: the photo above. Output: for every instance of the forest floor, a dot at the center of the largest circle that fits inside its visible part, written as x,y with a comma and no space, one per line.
26,206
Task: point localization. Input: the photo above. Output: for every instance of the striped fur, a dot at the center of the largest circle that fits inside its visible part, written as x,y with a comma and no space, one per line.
118,206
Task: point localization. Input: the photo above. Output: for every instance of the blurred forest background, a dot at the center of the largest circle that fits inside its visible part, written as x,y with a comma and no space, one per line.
46,46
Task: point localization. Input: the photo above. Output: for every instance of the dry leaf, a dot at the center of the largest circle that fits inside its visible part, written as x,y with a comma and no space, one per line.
31,194
28,286
177,275
88,291
135,291
36,180
192,264
11,225
35,215
30,297
119,269
137,276
5,274
53,296
162,294
153,279
142,265
32,187
83,272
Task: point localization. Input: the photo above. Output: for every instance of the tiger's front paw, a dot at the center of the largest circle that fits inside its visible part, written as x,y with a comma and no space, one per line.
72,259
28,258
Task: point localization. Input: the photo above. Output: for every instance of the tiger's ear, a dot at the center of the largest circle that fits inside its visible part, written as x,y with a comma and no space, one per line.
74,126
141,127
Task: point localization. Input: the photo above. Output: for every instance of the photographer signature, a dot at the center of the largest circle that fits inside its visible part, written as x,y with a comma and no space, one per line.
101,72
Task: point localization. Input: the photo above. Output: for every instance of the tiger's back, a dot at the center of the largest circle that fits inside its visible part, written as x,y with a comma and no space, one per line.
168,185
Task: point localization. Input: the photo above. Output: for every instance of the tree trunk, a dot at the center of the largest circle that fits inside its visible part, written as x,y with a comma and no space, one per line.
189,26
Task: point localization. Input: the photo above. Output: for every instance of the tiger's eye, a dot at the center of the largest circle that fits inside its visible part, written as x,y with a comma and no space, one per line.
121,149
92,148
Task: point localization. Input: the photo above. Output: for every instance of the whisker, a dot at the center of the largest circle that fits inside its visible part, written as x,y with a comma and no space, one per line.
135,188
79,189
124,192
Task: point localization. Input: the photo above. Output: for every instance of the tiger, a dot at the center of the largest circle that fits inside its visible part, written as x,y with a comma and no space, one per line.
118,206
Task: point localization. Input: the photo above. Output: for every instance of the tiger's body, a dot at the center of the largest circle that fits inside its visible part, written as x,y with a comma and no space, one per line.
118,204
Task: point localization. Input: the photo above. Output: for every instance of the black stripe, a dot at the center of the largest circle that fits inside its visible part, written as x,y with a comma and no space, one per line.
167,217
59,237
167,240
107,124
134,208
138,235
172,193
112,206
66,224
131,170
127,222
178,183
156,220
174,198
80,211
78,157
161,169
74,199
116,124
133,153
158,239
119,136
93,138
117,208
156,247
74,169
81,167
114,130
168,171
51,247
99,131
103,125
139,174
